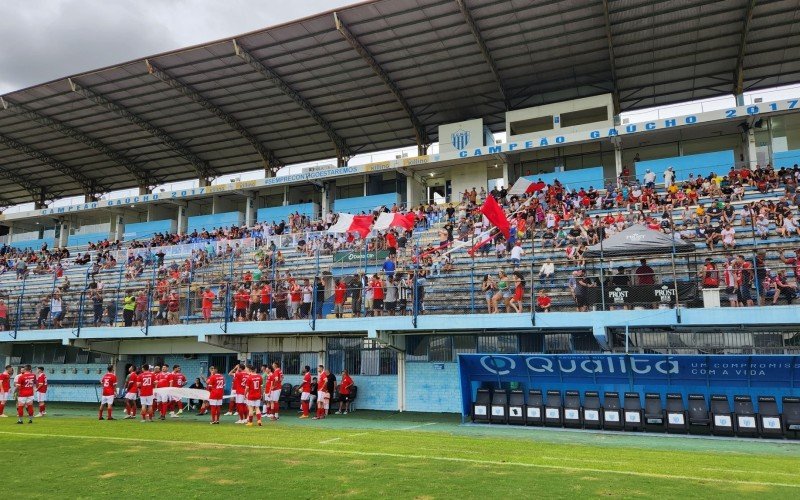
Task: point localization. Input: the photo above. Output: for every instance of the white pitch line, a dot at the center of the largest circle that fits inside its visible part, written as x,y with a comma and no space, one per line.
329,440
416,426
475,461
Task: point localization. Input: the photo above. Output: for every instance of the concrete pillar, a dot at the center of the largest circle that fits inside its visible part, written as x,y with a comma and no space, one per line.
365,184
285,195
324,203
749,148
64,228
250,209
505,177
215,204
118,227
401,381
618,159
739,99
202,182
145,190
182,221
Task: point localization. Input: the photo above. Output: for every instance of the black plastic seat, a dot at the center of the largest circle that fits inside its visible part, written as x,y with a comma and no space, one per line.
516,407
553,414
633,411
572,409
612,411
499,408
534,408
721,415
769,418
676,414
699,418
746,419
791,416
480,408
592,410
653,412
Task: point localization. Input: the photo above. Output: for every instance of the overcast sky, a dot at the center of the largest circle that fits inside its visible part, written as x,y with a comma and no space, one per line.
42,40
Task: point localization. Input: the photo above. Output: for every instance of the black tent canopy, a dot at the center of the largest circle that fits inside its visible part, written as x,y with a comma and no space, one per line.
639,240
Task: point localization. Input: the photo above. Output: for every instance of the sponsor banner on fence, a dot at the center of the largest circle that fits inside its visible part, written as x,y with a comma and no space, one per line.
357,256
246,244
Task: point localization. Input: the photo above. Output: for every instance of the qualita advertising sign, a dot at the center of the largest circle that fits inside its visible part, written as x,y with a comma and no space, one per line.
723,374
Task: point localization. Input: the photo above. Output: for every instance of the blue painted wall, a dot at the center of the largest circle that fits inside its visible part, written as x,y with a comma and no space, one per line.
69,386
365,203
719,162
209,222
278,214
84,239
786,158
34,244
431,389
138,230
583,178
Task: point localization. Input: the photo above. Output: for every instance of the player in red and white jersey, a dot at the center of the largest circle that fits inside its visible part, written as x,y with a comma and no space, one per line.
25,384
322,395
131,392
216,390
159,381
178,380
305,391
5,388
232,401
239,377
167,401
41,390
109,385
275,391
146,384
266,374
254,384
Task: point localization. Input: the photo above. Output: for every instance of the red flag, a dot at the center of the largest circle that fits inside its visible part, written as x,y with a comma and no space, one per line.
387,220
348,223
496,216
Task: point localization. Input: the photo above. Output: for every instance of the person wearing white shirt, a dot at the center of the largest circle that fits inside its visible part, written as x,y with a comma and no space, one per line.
649,179
547,271
728,237
516,254
669,177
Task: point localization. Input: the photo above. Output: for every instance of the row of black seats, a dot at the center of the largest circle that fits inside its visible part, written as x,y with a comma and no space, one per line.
614,413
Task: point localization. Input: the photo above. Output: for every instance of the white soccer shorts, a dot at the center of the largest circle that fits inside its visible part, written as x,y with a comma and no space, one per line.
240,399
215,402
3,397
131,396
41,397
275,395
146,400
256,403
106,400
305,396
323,399
24,400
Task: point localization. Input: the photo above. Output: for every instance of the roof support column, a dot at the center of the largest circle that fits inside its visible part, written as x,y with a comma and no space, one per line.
612,61
738,84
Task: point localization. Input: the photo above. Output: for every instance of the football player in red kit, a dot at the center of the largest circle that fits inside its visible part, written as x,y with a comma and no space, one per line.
216,390
41,390
160,381
25,384
254,385
275,391
131,392
305,391
239,388
5,388
178,380
322,395
109,385
145,381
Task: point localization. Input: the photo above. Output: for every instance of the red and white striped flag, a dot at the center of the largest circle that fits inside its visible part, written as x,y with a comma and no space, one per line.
525,186
387,220
349,223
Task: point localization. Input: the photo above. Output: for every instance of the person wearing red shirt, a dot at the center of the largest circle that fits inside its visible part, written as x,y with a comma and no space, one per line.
178,380
239,376
322,395
543,302
216,390
41,390
295,297
339,296
208,302
173,307
266,373
305,391
377,295
241,301
344,393
109,385
25,384
131,393
160,381
146,384
275,391
266,300
253,384
5,388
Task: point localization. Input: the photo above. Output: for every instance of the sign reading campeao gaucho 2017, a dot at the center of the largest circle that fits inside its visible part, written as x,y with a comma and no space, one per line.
356,257
531,142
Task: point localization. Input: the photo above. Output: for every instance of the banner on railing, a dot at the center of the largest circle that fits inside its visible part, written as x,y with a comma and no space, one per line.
644,294
356,256
219,247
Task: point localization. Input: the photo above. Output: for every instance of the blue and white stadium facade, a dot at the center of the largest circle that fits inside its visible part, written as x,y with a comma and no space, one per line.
555,79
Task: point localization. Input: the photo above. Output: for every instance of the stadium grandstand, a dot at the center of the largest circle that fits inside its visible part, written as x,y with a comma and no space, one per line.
546,258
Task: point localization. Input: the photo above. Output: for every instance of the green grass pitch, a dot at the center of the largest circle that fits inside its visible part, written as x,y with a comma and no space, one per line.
70,454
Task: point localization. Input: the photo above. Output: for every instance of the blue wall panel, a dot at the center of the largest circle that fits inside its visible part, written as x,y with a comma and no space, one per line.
83,239
34,244
277,214
786,158
719,162
139,230
209,222
365,204
583,178
432,387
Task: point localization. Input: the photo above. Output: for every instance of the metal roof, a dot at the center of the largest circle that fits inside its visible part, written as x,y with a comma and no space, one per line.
383,76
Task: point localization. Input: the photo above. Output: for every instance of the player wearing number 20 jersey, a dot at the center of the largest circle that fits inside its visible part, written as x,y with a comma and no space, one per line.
145,381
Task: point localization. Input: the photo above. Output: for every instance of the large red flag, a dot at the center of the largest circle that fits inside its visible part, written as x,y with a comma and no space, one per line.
496,216
349,223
